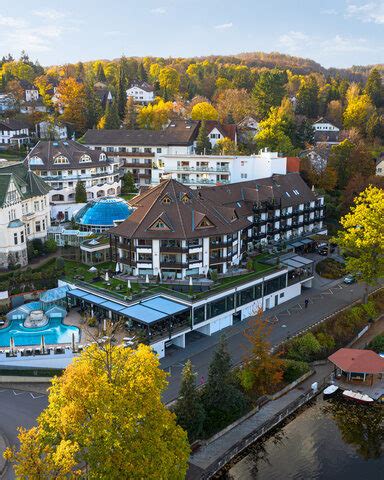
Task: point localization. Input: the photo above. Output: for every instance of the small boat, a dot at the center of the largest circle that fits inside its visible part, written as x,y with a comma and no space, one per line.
357,397
330,391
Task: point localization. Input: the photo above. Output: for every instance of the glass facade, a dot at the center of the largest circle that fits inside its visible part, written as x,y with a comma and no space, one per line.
103,212
277,283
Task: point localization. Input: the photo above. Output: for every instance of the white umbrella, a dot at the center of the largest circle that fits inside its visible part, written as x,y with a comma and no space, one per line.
146,278
190,281
105,324
106,277
129,284
73,342
117,269
42,344
11,344
92,269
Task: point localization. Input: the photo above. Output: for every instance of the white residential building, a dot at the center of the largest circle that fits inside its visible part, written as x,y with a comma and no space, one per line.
198,170
24,213
62,164
13,132
325,131
141,92
137,150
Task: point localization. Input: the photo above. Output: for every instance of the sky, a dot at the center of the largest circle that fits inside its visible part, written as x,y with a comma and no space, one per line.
335,33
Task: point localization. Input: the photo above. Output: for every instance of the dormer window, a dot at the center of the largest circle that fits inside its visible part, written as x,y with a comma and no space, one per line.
36,161
159,224
59,160
102,157
85,159
205,223
166,200
185,198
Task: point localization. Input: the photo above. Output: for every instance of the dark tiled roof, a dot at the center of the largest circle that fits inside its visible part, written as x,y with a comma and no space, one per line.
326,136
180,132
143,85
278,187
182,219
226,129
13,124
24,179
48,150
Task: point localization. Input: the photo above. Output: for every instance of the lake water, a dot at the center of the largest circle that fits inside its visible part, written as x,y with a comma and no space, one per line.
329,440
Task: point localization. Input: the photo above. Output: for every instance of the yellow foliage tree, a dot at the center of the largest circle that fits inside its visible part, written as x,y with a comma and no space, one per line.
72,98
169,80
155,116
362,236
226,146
105,418
204,111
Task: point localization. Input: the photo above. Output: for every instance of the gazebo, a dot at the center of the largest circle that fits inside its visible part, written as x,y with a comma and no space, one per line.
357,366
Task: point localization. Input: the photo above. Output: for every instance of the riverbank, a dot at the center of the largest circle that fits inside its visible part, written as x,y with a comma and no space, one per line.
221,449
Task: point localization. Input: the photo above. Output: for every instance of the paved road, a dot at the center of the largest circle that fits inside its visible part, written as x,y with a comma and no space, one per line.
18,408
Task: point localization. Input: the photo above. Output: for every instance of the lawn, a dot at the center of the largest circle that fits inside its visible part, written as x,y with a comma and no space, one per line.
12,156
128,196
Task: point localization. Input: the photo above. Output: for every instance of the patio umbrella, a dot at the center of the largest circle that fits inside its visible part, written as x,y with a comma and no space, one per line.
117,269
146,278
92,269
190,281
12,344
105,324
129,284
73,342
106,276
42,344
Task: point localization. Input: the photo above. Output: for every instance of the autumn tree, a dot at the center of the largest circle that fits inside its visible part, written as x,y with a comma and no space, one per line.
262,370
189,410
155,116
204,111
169,80
15,89
335,112
44,86
225,146
358,110
80,193
105,419
72,98
362,237
233,104
130,114
222,399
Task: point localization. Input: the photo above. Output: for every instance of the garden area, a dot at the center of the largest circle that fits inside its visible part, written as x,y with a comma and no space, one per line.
330,268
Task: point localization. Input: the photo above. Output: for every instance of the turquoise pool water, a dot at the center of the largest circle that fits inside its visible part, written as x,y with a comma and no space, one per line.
54,332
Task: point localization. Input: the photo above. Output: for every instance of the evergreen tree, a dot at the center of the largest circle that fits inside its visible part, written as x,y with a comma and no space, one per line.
374,88
121,91
307,97
223,401
189,409
203,145
80,71
80,193
142,73
269,91
112,119
128,184
93,106
130,114
100,75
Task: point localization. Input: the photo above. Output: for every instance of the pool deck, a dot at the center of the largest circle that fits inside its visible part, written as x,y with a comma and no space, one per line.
52,360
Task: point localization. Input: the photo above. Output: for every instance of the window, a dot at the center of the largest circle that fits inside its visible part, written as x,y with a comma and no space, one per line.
22,237
36,206
159,225
15,238
185,198
85,158
277,283
199,314
158,150
12,215
166,200
28,229
244,175
60,159
43,224
38,226
205,223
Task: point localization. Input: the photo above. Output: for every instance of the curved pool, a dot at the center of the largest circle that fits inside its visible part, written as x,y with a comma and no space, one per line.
54,332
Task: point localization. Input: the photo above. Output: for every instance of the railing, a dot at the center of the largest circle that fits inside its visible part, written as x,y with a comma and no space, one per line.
167,264
203,169
262,430
202,181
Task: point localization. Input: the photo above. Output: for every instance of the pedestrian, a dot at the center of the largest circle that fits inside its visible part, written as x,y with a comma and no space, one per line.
202,380
306,301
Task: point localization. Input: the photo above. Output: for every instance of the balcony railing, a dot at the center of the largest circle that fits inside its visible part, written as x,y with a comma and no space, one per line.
202,181
167,264
202,169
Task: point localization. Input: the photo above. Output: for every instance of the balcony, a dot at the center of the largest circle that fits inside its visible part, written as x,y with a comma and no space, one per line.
215,259
172,264
202,181
202,169
137,165
131,154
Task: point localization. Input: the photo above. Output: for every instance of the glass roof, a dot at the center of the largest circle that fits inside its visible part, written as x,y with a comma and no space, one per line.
162,304
103,212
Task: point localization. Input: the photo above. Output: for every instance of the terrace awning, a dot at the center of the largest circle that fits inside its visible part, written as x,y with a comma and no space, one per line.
144,314
165,305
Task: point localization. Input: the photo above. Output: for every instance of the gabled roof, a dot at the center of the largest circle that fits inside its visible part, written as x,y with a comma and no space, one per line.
27,183
13,124
184,219
178,132
324,120
357,361
147,87
48,150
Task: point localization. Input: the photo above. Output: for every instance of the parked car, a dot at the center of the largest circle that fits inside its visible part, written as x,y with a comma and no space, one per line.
322,251
349,279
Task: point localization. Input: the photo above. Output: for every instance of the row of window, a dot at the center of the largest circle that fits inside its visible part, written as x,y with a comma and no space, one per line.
247,295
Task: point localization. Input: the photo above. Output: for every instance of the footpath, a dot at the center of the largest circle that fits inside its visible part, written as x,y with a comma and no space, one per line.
216,453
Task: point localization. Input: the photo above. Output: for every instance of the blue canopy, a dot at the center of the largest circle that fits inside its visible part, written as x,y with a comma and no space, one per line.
165,305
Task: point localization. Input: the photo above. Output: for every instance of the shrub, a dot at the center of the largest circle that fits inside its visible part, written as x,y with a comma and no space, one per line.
293,369
327,343
330,268
304,348
50,246
249,265
377,343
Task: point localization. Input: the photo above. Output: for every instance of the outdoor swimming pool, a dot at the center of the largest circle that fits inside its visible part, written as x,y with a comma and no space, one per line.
54,332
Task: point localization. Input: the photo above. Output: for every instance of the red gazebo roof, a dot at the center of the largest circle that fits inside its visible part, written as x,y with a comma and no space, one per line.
359,361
